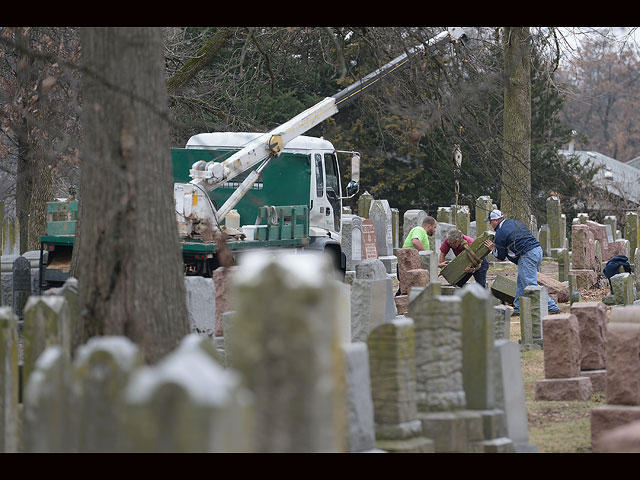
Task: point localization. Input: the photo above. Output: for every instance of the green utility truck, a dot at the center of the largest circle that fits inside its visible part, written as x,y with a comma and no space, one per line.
295,203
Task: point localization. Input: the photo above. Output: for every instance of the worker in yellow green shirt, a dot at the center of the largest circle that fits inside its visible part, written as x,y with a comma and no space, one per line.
418,236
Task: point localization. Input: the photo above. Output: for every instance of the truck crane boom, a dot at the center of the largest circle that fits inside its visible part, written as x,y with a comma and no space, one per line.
210,175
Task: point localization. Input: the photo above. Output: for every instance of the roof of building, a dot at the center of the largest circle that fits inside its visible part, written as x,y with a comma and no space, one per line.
617,177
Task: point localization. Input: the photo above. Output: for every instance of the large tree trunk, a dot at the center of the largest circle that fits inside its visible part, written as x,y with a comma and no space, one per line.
129,264
515,197
34,178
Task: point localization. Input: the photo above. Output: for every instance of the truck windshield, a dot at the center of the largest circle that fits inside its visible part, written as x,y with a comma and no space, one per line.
319,176
333,185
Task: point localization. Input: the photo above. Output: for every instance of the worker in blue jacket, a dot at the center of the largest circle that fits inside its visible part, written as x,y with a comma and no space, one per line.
515,242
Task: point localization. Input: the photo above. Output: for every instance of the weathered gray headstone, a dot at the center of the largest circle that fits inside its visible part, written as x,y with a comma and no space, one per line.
544,239
49,405
364,203
478,335
21,286
380,213
201,304
352,240
563,265
444,215
539,309
286,345
46,323
8,381
502,315
483,207
554,220
622,285
510,396
393,388
101,371
395,227
438,339
411,218
372,304
187,403
10,236
526,325
631,232
371,269
361,435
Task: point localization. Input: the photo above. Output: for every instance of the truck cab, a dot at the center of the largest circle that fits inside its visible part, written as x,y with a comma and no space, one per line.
306,164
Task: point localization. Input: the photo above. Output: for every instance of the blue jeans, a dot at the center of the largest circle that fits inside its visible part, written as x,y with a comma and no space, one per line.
528,266
480,276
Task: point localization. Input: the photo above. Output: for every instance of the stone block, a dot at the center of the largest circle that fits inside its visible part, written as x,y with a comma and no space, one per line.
402,304
623,362
585,279
409,445
576,388
622,439
390,263
201,304
221,278
598,379
453,431
498,445
504,289
592,323
408,259
413,278
561,346
607,418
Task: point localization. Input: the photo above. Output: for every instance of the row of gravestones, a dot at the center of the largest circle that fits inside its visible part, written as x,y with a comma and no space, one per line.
373,309
584,353
286,376
373,233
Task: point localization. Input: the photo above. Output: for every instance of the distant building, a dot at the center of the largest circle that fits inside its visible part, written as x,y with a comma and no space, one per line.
618,178
635,163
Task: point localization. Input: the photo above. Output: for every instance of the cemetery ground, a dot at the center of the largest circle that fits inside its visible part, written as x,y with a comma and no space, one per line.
554,426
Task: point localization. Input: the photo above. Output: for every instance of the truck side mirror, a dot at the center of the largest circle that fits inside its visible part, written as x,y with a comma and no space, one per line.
352,188
355,167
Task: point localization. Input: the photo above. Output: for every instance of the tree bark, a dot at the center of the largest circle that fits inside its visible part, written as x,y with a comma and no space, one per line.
129,264
34,178
516,164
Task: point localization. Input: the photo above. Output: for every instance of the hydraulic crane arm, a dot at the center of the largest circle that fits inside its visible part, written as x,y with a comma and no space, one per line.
211,175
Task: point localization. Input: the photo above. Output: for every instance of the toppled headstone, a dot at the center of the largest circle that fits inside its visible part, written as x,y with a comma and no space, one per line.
455,270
